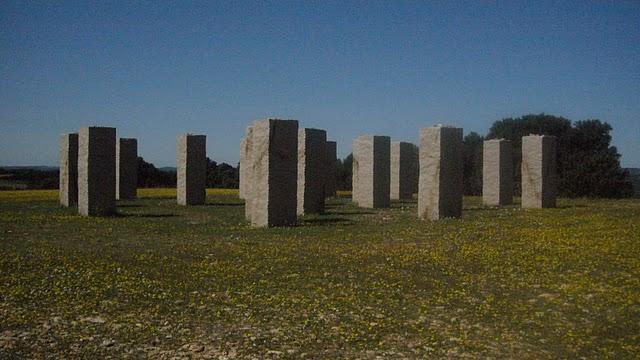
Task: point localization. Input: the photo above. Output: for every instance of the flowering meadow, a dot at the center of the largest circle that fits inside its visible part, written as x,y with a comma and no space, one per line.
163,281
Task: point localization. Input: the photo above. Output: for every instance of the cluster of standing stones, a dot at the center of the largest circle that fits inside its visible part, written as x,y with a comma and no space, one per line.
287,171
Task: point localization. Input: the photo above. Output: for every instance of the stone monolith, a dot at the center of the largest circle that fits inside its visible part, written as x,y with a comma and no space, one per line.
539,183
312,173
274,172
497,172
331,169
440,184
68,170
97,171
191,169
404,177
371,171
126,169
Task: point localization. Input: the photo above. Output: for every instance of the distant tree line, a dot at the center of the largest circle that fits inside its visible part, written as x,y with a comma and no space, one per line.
587,164
22,179
218,175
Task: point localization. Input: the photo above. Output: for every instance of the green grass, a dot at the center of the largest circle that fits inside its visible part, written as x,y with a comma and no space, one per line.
160,280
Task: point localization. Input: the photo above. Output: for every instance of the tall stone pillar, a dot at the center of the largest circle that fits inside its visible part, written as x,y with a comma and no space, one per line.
497,172
274,172
539,182
440,187
404,177
97,171
371,171
126,169
312,173
68,170
192,169
331,170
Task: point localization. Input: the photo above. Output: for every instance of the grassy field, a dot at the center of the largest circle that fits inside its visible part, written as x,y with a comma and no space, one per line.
160,281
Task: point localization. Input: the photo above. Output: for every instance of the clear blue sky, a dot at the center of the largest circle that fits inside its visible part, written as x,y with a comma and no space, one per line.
156,69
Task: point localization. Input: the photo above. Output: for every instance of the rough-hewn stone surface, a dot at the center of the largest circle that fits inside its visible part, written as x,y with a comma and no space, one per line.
97,171
331,170
539,182
371,171
126,169
440,187
68,170
274,172
312,173
404,177
191,169
497,172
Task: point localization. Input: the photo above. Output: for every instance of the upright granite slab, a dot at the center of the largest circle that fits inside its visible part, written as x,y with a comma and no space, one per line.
497,172
68,190
404,177
126,169
191,169
97,171
371,171
312,145
331,169
539,182
274,172
440,186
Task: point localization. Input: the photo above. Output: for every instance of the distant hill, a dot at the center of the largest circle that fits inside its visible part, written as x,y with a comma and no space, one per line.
28,177
634,174
31,167
167,169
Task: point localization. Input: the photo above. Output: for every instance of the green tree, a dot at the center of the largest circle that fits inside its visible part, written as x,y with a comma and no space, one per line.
591,166
587,164
345,170
222,176
472,164
149,176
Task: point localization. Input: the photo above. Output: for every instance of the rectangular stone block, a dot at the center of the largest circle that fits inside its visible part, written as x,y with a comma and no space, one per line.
497,172
404,177
371,171
97,171
331,180
539,182
126,169
68,189
440,185
192,169
312,145
274,172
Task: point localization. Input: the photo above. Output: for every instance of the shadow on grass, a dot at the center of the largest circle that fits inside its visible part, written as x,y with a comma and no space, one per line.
569,206
159,197
326,221
129,205
488,208
407,201
356,212
150,216
224,204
